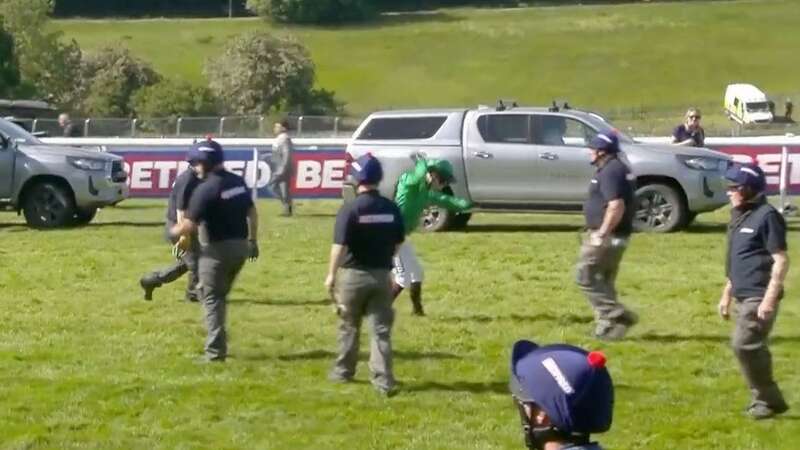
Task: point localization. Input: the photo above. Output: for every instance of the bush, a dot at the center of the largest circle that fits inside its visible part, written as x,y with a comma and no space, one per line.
110,78
316,102
171,98
46,63
313,11
258,73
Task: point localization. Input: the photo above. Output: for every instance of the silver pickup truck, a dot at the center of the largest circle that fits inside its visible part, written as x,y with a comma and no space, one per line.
536,159
56,186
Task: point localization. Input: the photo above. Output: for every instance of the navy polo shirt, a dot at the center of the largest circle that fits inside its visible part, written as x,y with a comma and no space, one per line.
613,181
371,227
222,202
753,236
182,191
682,133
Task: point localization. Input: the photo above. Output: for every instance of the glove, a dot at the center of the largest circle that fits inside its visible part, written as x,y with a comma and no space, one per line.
254,252
181,247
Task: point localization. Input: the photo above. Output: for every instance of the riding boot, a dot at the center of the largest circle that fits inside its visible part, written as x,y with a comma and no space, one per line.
149,283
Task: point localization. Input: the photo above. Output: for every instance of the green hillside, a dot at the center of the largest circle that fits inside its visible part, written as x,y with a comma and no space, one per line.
655,55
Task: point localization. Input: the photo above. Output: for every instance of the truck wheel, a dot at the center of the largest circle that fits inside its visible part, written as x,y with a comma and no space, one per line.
440,219
84,216
659,209
689,219
48,205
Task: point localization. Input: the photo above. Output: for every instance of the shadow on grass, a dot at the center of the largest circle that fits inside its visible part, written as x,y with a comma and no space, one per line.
517,318
124,223
524,228
392,19
495,387
280,303
134,207
326,354
677,338
317,215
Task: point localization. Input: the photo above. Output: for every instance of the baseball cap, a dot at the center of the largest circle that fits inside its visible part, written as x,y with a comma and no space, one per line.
749,175
366,170
570,384
207,151
443,168
607,142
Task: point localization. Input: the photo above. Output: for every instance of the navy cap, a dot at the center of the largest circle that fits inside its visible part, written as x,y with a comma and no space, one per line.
207,151
572,386
749,175
607,142
366,170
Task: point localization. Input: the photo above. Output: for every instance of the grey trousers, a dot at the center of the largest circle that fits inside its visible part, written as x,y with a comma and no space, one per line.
750,345
219,264
280,187
361,293
596,274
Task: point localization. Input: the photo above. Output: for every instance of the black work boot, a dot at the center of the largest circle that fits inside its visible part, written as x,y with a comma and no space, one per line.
416,298
149,283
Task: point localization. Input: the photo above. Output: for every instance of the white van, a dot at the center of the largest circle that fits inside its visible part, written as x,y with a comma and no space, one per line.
746,104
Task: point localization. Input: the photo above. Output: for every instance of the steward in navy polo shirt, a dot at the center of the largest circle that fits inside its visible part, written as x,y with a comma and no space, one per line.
612,181
223,203
367,234
609,214
223,206
370,228
756,267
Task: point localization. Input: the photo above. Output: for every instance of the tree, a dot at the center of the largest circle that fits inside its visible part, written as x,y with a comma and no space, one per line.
9,68
51,66
173,98
110,79
258,73
313,11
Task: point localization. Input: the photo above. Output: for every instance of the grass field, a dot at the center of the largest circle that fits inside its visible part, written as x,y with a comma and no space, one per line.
85,363
653,55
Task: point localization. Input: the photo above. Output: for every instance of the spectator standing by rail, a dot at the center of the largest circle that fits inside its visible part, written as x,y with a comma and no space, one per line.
690,133
281,165
68,128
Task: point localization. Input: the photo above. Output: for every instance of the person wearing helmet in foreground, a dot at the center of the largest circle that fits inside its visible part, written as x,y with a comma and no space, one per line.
756,269
416,190
563,394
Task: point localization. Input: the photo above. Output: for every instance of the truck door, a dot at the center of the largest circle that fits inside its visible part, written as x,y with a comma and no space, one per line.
561,144
6,166
500,159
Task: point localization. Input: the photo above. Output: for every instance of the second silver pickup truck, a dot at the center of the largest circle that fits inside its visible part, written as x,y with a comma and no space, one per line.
537,159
